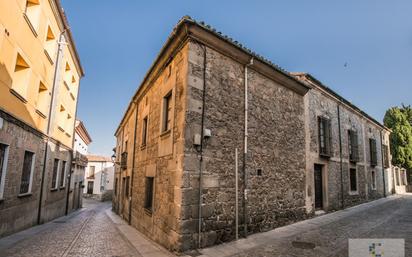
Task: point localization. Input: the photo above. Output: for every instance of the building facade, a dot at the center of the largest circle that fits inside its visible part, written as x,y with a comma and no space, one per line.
178,178
99,178
82,140
39,85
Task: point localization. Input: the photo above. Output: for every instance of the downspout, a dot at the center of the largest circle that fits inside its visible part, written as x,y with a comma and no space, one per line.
56,77
199,242
245,148
341,157
133,164
383,166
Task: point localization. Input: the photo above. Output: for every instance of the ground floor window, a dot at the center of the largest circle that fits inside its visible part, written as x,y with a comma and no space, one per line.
373,174
115,186
126,186
63,174
4,152
54,175
27,173
148,203
353,180
90,185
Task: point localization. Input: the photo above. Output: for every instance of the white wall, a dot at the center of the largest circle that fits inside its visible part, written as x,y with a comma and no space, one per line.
103,177
79,145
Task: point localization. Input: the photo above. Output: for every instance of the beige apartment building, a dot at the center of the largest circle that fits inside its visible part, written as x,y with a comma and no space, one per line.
39,85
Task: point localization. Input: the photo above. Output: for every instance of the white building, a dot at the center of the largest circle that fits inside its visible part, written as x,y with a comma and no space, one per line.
99,177
81,141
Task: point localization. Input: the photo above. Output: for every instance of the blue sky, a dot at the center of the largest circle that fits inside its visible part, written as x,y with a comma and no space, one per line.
118,41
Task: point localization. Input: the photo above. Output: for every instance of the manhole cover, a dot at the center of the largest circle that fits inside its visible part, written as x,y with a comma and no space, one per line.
303,245
59,221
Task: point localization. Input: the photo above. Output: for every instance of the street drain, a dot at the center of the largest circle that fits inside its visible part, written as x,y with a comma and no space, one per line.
303,245
59,221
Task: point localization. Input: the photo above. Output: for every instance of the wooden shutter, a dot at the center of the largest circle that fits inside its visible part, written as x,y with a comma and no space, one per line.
373,152
328,137
353,137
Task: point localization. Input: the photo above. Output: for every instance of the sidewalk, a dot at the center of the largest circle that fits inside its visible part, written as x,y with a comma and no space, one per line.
145,246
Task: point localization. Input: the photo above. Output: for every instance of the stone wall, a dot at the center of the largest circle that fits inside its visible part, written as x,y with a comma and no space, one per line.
276,196
336,180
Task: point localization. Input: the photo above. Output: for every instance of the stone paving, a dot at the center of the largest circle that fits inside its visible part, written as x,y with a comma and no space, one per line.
89,232
328,235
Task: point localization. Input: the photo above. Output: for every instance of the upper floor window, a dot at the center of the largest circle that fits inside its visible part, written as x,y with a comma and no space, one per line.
373,152
50,44
4,153
21,78
144,131
353,145
27,173
324,127
92,170
32,14
167,112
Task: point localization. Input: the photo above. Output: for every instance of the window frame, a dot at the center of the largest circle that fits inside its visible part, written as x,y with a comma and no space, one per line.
353,146
56,182
167,112
324,137
145,125
149,194
33,160
62,174
373,152
4,170
374,180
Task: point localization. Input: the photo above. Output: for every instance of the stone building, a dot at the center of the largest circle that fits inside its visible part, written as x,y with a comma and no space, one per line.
99,178
205,98
82,140
347,151
39,86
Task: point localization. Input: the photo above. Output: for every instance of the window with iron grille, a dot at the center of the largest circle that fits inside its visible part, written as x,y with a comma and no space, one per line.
62,174
385,156
144,131
353,146
4,150
26,176
324,137
167,112
148,203
373,152
353,180
55,171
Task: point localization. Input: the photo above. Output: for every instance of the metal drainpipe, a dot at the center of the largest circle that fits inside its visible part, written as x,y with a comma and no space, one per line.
245,148
341,157
133,164
383,166
59,57
199,243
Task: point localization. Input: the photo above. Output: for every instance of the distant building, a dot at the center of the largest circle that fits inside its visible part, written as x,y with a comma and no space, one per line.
99,178
82,140
40,73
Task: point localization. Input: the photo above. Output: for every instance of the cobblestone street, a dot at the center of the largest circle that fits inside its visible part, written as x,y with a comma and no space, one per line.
328,235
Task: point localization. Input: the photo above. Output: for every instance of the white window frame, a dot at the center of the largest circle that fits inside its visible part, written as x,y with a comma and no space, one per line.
57,175
33,161
4,170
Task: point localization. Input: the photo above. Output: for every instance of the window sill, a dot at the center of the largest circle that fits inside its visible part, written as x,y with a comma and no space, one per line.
67,86
62,188
19,96
60,128
324,155
72,96
67,135
24,195
30,25
53,189
48,57
166,133
353,193
40,113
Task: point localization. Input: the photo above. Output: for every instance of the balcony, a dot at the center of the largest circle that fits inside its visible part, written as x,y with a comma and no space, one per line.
79,159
